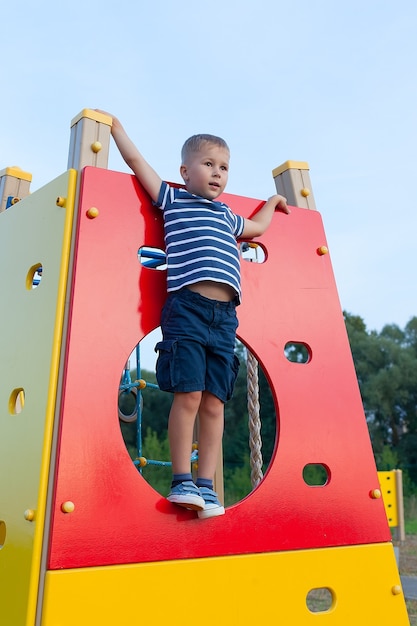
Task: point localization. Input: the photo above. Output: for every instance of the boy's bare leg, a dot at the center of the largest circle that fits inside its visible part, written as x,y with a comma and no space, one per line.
211,422
180,429
210,434
180,432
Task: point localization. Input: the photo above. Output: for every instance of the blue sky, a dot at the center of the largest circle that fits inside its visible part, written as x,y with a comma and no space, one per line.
330,83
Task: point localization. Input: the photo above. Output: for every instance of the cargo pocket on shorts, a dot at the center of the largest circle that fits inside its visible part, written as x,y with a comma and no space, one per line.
166,372
234,370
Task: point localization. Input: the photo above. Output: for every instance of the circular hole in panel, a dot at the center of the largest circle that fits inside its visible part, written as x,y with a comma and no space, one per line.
252,252
297,352
34,276
316,474
16,401
2,534
320,600
146,438
152,258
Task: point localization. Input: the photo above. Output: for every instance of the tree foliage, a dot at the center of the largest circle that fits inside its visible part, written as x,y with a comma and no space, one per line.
386,368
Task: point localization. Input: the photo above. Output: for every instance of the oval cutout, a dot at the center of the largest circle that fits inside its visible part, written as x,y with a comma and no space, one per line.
297,352
320,600
152,258
252,252
145,435
17,401
316,474
34,276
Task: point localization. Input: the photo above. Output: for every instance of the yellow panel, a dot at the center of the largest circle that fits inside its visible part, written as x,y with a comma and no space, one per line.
389,495
34,233
238,590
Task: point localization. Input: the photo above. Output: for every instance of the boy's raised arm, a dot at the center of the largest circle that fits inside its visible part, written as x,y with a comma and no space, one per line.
146,175
258,223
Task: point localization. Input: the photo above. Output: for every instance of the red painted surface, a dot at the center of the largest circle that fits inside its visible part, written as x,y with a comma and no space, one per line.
118,517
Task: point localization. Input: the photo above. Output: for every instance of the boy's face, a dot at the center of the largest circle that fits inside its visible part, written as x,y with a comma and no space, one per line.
205,173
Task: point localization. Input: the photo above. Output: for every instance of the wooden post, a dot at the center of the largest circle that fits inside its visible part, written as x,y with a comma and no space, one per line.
90,140
292,180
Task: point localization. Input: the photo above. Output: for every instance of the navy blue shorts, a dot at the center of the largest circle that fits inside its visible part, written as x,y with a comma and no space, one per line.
197,349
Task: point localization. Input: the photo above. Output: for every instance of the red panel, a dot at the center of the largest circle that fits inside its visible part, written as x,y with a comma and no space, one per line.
118,517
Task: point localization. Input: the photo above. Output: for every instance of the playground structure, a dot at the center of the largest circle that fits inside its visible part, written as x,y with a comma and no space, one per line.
83,538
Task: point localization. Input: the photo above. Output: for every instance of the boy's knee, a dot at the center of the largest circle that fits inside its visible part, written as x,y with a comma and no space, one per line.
211,404
189,399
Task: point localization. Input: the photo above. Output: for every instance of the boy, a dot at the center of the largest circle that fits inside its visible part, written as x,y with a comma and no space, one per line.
196,360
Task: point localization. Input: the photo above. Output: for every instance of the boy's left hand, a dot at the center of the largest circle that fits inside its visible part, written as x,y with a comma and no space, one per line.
280,203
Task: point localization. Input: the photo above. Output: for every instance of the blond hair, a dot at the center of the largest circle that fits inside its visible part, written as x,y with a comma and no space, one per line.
196,142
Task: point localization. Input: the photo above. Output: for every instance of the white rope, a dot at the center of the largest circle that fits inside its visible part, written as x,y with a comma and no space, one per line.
255,441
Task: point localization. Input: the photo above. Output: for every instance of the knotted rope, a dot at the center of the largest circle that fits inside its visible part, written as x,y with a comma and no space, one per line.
255,441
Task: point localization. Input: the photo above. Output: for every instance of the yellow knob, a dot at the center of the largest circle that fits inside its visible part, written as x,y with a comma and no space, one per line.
92,212
60,201
96,146
29,515
396,590
67,507
142,461
375,494
305,192
322,250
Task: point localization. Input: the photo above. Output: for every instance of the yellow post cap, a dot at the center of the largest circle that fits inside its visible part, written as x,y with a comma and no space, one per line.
92,115
16,172
290,165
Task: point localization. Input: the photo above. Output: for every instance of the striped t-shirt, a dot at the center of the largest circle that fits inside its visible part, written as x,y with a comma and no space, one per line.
200,239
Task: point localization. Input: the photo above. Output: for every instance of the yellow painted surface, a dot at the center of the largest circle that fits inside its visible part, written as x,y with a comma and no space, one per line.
264,589
290,165
92,115
16,172
33,232
389,495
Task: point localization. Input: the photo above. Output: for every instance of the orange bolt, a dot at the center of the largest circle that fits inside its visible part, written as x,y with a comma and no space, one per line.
67,507
322,250
396,590
92,212
29,515
375,494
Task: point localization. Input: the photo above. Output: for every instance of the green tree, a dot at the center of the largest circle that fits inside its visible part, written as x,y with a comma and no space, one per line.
386,368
